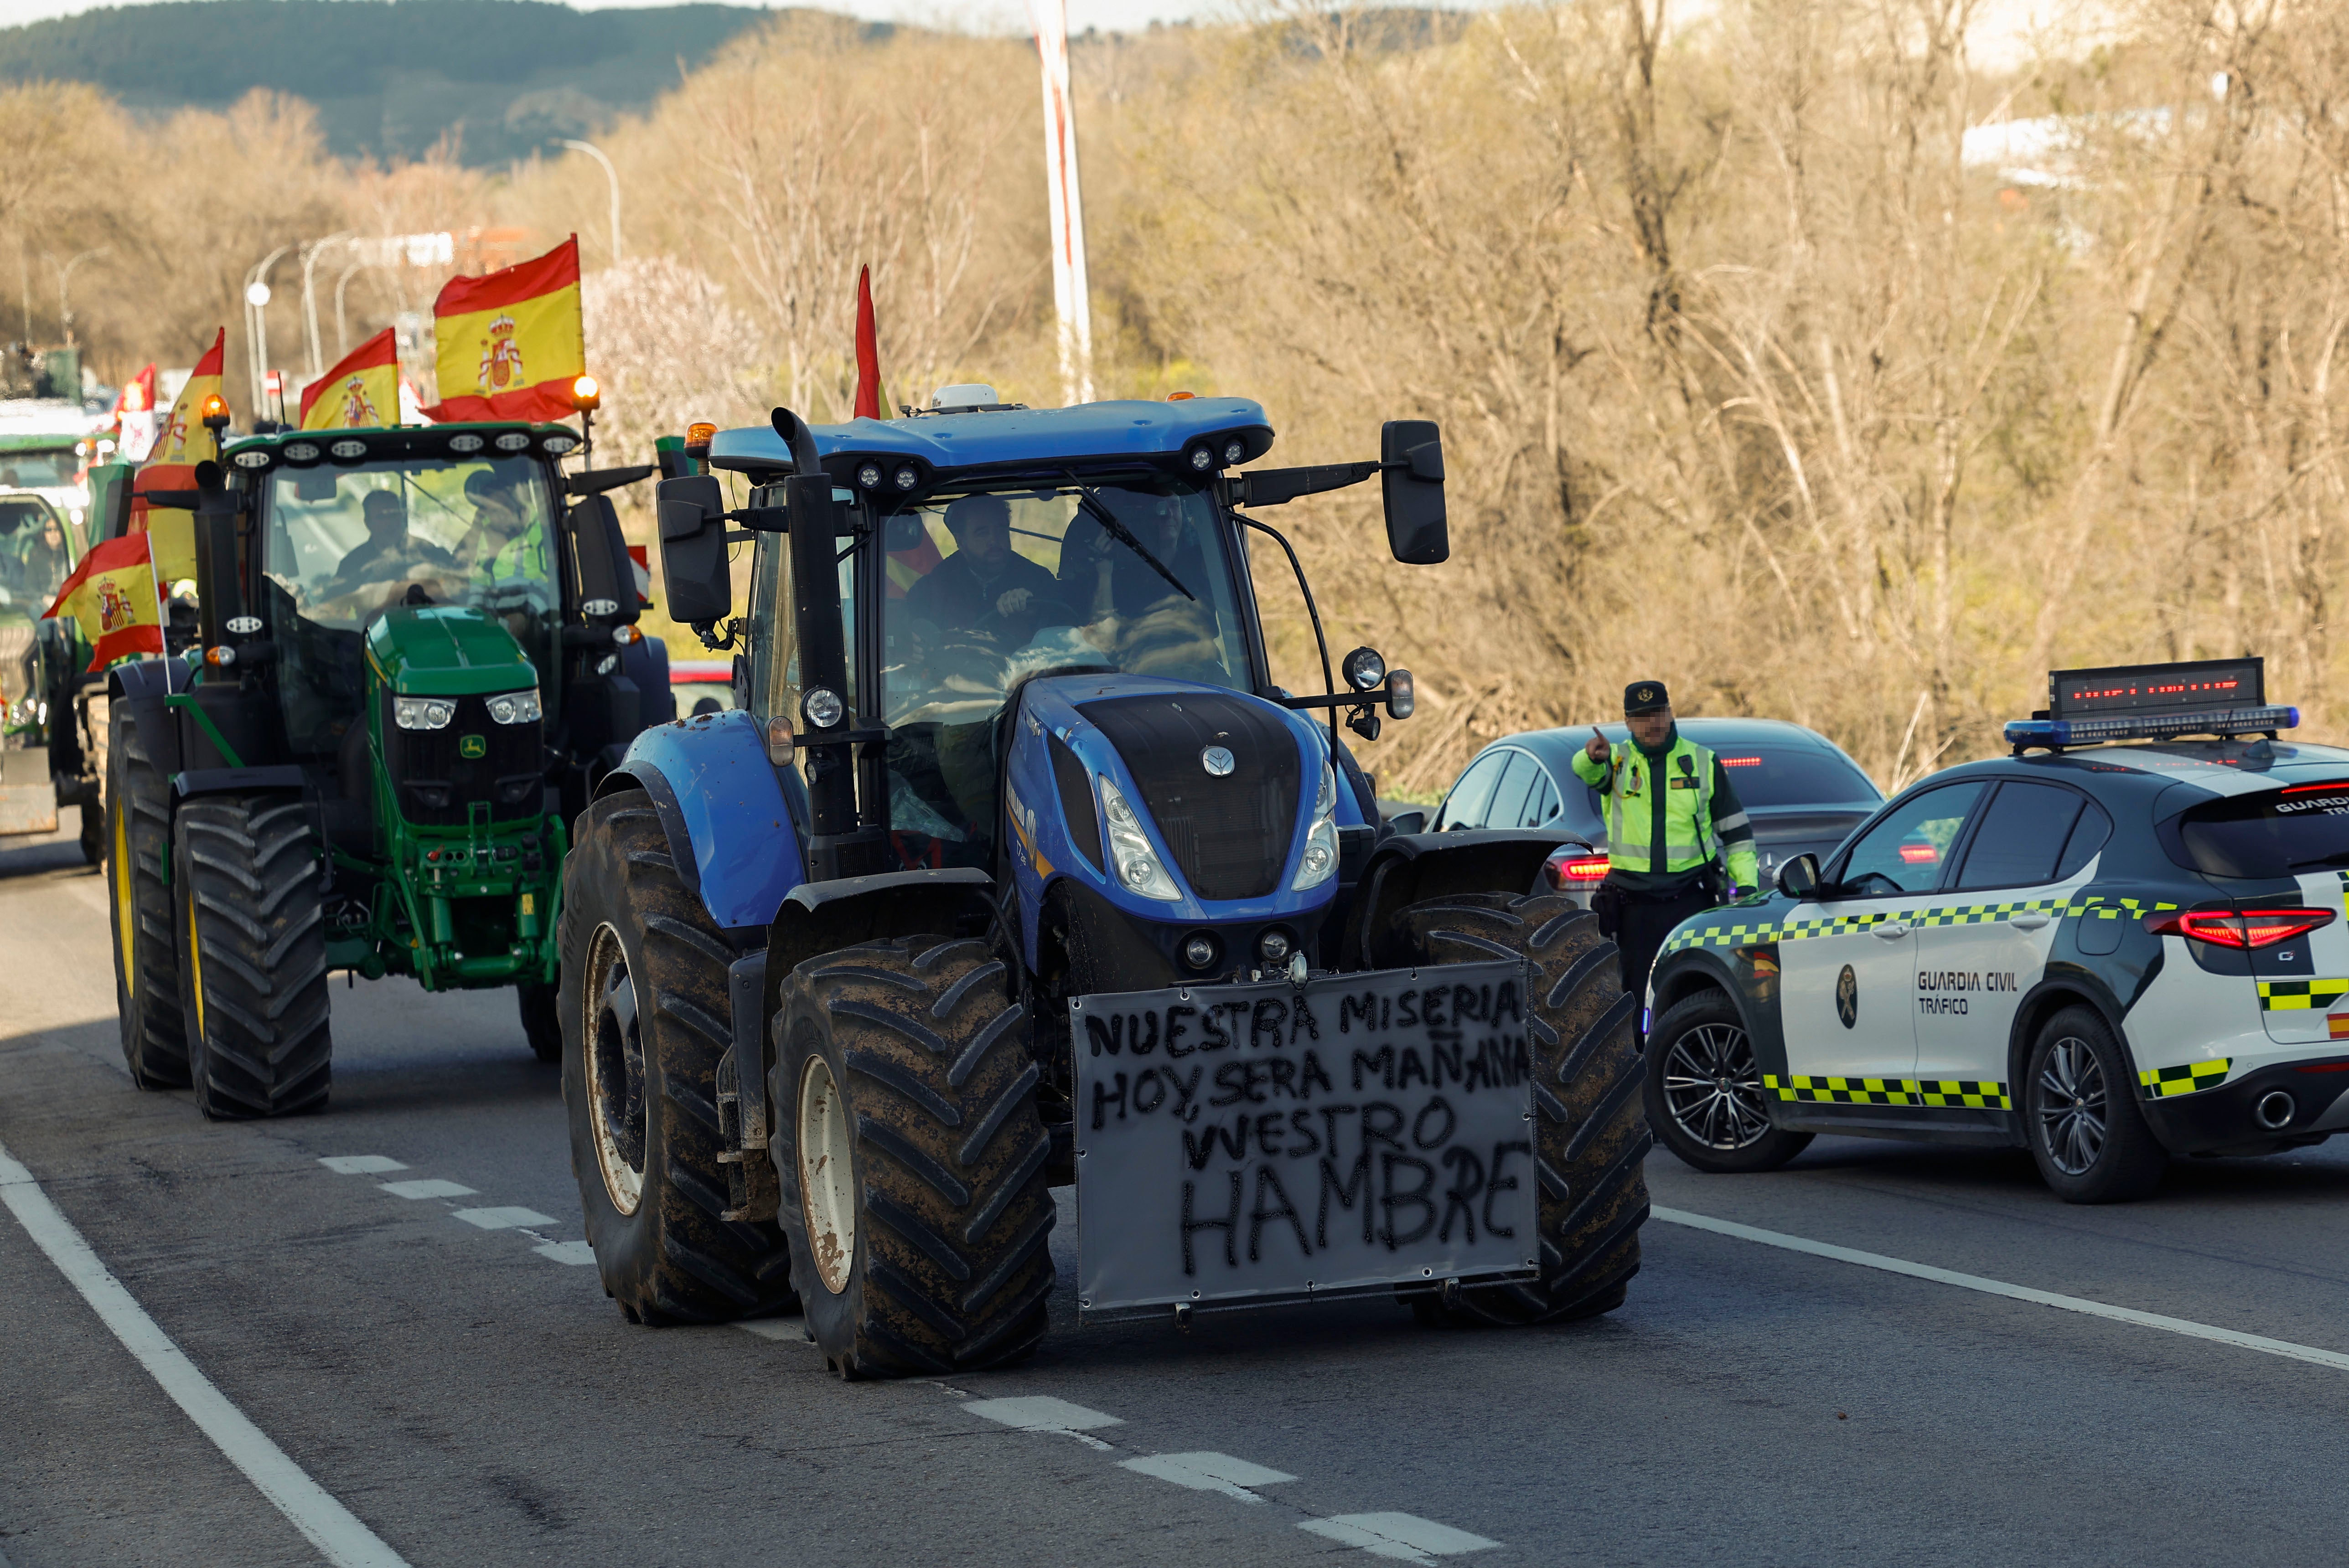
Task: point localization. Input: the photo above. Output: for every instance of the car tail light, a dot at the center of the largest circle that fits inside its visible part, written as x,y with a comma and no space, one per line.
2241,928
1574,866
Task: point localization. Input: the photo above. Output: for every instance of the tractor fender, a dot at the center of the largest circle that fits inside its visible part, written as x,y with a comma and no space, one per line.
820,917
724,808
1407,868
139,688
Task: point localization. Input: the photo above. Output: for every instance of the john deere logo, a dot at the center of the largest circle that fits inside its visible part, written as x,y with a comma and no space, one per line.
1848,997
473,745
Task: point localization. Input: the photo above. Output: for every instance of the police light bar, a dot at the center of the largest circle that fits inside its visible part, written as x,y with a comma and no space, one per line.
2149,726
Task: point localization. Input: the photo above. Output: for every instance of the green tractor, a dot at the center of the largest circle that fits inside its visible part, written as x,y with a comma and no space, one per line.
41,754
414,661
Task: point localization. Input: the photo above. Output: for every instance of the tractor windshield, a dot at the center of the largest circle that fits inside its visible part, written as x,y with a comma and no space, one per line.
34,555
345,544
988,586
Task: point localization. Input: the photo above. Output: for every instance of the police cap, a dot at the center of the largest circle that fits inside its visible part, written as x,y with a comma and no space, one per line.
1645,696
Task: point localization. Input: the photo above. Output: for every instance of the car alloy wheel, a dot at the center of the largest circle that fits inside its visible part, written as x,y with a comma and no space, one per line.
1714,1089
2071,1106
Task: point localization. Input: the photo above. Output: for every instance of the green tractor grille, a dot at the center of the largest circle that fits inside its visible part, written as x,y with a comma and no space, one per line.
439,775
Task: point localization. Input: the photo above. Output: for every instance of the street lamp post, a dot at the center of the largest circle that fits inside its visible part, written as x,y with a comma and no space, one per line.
612,176
65,276
309,301
256,337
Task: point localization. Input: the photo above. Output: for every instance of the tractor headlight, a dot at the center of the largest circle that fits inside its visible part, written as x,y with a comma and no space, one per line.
1138,871
516,707
1319,863
423,712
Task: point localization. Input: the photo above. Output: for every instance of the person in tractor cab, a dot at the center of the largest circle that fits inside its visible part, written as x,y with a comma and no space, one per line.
387,552
984,589
1107,576
504,539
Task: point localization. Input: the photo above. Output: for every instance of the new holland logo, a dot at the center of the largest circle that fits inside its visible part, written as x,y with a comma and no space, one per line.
1848,997
473,745
1217,760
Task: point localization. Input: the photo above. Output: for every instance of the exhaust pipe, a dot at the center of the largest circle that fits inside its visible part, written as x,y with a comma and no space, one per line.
2275,1110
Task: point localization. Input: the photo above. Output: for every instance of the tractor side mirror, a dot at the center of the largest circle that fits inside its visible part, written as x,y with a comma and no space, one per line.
1410,463
1799,878
602,572
693,549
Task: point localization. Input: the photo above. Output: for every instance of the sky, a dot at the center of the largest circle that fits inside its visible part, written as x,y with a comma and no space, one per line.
2003,29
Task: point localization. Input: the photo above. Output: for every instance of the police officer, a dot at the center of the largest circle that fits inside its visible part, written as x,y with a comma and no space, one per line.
1673,826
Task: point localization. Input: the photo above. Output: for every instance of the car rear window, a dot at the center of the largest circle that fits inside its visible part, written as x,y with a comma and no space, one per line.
2278,833
1794,776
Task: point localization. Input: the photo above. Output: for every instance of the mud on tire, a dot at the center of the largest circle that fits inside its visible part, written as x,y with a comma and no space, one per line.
644,1018
1591,1130
912,1159
146,955
253,955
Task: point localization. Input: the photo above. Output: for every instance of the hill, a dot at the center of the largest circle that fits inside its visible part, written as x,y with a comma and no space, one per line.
388,78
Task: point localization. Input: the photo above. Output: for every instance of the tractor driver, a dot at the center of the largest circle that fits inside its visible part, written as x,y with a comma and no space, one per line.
388,551
984,589
504,541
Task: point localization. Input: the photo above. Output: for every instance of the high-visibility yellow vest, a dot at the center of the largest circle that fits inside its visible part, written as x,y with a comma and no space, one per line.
1686,775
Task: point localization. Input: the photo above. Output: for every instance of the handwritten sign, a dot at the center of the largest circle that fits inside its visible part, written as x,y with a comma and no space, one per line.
1276,1140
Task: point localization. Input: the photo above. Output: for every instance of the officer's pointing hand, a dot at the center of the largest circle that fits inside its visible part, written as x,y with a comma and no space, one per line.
1597,749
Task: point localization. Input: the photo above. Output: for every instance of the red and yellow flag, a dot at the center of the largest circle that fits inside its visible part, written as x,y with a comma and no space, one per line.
183,443
511,343
362,389
112,594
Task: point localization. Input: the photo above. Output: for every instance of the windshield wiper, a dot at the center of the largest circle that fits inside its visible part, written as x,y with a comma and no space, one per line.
1124,535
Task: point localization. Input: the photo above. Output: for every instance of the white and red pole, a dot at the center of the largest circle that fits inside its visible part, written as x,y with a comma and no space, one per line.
1071,293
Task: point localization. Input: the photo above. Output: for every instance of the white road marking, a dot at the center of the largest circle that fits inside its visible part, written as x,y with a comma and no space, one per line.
782,1330
1043,1413
1405,1537
431,1188
2242,1341
330,1527
574,1252
503,1219
360,1164
1209,1472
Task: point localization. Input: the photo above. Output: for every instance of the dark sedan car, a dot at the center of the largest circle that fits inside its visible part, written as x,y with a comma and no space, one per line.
1801,789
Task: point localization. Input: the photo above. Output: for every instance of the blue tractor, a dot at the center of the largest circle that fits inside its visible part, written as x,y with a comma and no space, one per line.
1011,870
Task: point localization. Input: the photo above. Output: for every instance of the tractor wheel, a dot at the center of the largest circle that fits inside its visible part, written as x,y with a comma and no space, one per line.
912,1159
146,958
1591,1133
93,832
644,1012
253,955
542,1019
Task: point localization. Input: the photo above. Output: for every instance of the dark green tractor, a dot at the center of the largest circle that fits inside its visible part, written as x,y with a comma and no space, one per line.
416,656
43,755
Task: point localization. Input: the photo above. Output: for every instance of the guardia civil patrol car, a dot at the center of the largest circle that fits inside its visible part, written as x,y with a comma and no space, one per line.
2122,943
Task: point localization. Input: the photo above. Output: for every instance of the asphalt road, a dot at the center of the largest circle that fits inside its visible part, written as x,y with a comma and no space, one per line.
470,1396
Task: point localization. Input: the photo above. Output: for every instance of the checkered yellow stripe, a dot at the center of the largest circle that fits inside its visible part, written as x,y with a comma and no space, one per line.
2160,1083
1942,1092
1740,934
2300,995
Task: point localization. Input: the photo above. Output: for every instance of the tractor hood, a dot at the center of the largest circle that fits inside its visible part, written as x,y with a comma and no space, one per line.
447,651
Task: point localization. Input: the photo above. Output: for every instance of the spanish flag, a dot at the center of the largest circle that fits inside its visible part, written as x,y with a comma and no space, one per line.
362,389
112,594
511,343
180,446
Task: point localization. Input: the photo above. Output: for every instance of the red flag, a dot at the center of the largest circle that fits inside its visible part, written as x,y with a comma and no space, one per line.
868,350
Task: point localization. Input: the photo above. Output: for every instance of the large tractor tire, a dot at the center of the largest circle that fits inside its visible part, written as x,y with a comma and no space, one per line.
1591,1130
253,955
912,1159
139,901
644,1015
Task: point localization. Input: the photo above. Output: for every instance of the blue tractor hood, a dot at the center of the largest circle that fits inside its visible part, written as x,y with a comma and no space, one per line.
1018,437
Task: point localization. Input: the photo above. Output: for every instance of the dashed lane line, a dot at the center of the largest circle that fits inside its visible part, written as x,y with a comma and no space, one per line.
504,1218
330,1527
360,1164
1402,1537
432,1187
508,1219
2217,1336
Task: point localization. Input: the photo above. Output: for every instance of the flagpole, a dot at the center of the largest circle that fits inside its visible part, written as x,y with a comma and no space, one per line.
1070,292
